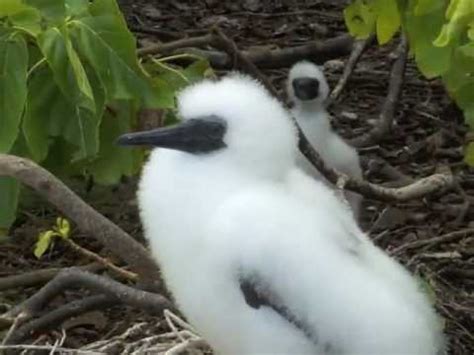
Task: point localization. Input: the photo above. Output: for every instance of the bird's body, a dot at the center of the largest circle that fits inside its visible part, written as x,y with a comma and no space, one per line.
311,115
260,257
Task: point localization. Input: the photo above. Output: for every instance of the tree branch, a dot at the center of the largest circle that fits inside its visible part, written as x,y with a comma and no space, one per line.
263,58
357,50
87,219
384,124
74,277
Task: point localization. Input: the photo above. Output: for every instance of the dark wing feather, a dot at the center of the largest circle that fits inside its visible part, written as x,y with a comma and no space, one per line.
257,294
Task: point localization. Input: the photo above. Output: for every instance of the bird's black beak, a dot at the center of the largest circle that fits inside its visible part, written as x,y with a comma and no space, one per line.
306,88
197,136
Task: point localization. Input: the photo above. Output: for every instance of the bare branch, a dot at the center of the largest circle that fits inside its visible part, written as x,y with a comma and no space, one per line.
384,124
232,50
74,277
264,58
357,50
87,219
37,277
131,276
56,316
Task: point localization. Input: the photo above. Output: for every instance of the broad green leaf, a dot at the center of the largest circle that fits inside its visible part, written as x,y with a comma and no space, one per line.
13,72
28,20
360,19
51,10
77,7
118,79
469,154
422,30
460,14
113,161
9,192
388,19
470,32
11,7
468,49
198,70
68,71
50,114
424,7
469,115
43,242
109,23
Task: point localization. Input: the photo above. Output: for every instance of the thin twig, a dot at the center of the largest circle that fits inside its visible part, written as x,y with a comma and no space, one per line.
357,50
229,46
446,238
384,123
128,275
32,278
49,347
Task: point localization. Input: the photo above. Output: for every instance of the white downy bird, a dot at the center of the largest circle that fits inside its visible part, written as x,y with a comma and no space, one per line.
308,89
260,257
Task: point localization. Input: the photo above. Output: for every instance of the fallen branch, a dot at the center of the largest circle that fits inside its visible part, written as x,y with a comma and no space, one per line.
357,50
55,317
264,58
74,277
385,121
446,238
229,46
87,219
33,278
131,276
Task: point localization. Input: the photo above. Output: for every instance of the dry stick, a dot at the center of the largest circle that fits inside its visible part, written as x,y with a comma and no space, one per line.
446,238
229,46
74,277
103,261
166,48
32,278
417,189
387,113
55,317
357,50
264,58
87,219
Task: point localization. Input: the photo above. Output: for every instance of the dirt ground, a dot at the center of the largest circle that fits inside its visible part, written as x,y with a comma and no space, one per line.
428,134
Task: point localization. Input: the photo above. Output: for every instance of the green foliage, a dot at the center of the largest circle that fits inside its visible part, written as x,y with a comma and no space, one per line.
441,37
62,229
70,83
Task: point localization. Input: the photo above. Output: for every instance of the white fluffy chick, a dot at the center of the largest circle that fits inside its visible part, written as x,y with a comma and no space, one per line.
260,257
308,89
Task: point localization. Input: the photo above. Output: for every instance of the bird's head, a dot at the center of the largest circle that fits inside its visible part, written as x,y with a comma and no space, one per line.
234,120
307,84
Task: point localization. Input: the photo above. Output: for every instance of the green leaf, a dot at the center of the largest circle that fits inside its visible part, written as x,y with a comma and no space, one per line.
77,8
470,32
359,19
68,71
388,19
9,192
469,154
28,20
468,49
51,10
424,7
114,161
13,72
62,227
120,81
43,242
460,14
50,114
11,7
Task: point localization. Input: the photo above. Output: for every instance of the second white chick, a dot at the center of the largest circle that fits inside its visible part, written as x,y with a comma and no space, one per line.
308,89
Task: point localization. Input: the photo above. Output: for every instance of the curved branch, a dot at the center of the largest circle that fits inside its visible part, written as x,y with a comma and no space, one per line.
87,219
